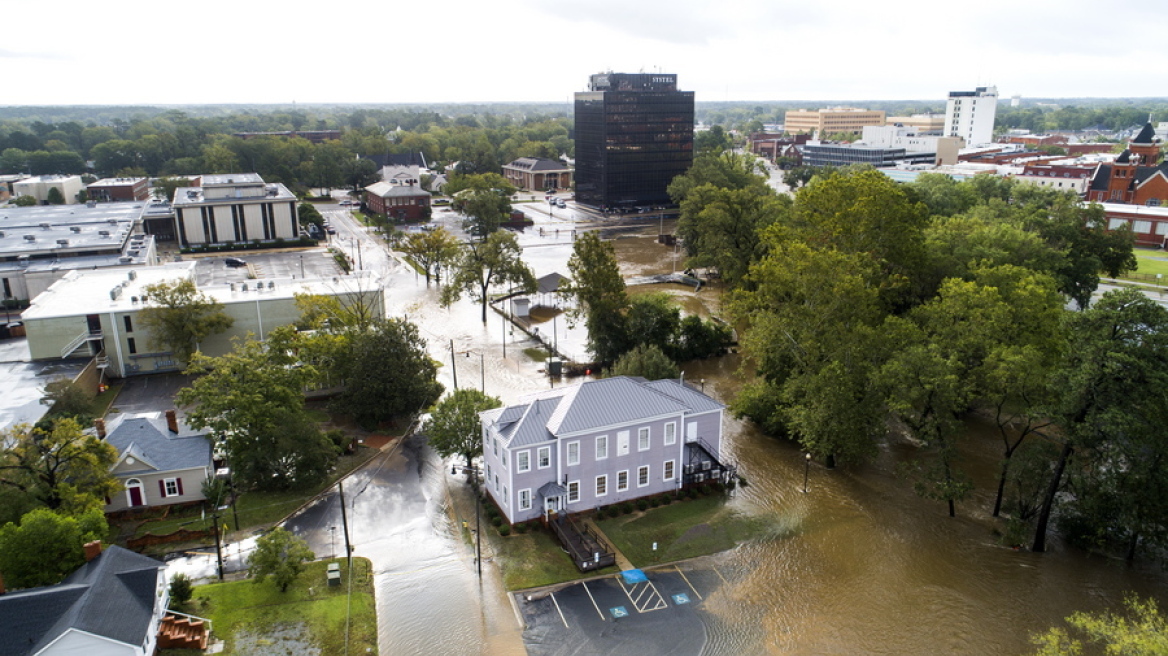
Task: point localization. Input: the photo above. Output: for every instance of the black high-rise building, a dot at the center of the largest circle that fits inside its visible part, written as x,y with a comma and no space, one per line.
634,134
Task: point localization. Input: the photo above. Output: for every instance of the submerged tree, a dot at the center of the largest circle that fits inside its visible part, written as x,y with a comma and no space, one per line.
454,427
178,316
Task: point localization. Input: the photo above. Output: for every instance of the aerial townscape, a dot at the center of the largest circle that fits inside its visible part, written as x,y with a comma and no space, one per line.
646,370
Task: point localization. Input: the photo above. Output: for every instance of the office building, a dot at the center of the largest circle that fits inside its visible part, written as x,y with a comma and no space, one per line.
833,120
234,208
634,134
970,115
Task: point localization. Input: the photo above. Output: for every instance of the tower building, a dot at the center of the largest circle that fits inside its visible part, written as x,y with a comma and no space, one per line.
970,115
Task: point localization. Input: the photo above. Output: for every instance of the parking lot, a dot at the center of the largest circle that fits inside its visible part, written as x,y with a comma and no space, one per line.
662,615
307,263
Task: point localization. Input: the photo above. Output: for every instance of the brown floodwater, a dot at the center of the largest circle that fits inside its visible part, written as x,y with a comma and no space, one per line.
857,565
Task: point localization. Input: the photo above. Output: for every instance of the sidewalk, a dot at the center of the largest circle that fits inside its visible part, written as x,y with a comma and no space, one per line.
621,562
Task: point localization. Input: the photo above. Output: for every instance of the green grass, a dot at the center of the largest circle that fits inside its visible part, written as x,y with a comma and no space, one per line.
256,509
318,415
683,529
535,559
1152,261
537,354
101,403
309,601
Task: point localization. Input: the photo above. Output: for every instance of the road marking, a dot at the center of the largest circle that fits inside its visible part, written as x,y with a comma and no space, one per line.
691,586
720,575
681,598
618,612
594,604
562,619
649,593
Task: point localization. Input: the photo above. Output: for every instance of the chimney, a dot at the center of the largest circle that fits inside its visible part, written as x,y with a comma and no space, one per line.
172,421
92,550
99,424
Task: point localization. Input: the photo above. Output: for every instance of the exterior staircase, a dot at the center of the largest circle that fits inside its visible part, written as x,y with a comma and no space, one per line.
182,633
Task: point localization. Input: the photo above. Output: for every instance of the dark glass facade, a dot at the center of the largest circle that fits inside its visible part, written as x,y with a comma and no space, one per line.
634,134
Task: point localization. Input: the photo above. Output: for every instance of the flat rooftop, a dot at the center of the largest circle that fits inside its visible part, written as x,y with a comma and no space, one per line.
112,290
232,179
194,195
38,229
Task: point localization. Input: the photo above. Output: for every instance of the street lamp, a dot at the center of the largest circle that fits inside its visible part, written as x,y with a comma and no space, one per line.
478,534
482,372
806,472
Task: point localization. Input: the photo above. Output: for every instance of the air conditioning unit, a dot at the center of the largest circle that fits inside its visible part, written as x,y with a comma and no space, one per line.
103,233
706,464
689,469
699,478
30,237
75,229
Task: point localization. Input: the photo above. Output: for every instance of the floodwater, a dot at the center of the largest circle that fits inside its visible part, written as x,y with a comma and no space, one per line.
857,565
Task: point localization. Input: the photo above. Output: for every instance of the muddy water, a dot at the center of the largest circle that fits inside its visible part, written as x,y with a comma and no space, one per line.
858,565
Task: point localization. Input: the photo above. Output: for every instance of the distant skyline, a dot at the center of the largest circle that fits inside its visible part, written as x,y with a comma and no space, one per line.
356,51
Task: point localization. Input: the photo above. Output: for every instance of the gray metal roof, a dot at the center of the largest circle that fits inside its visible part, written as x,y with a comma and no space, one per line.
149,440
112,596
593,405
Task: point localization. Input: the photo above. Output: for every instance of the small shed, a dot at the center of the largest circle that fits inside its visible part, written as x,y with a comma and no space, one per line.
520,307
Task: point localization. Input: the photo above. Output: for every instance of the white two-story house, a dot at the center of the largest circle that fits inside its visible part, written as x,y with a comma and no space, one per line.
601,442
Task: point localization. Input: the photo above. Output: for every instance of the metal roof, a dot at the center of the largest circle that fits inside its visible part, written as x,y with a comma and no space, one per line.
147,438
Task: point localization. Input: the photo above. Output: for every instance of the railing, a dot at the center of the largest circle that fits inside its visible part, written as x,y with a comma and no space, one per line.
588,550
78,341
193,617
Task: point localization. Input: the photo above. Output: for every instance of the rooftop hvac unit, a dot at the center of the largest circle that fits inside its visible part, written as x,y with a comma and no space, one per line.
30,237
103,233
125,259
133,253
75,229
706,465
134,300
133,275
91,203
1,234
271,284
689,469
112,221
46,225
145,297
62,242
243,286
699,477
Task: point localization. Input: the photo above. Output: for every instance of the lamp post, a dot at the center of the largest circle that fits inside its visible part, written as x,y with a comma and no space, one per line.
482,372
806,471
478,534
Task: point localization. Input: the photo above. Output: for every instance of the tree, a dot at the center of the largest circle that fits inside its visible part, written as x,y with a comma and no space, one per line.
1109,388
66,398
47,546
61,467
25,201
181,589
387,373
166,187
454,427
647,361
179,316
252,402
485,198
496,261
431,250
714,140
720,227
1140,631
727,170
599,292
278,554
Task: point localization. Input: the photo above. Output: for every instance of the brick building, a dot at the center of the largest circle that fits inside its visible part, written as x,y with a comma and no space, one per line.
112,189
1137,177
833,120
538,174
403,203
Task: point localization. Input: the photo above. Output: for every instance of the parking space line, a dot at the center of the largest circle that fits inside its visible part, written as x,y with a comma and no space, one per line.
594,604
562,619
719,575
691,586
641,594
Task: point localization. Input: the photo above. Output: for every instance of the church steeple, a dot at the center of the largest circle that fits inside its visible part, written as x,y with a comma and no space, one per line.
1144,147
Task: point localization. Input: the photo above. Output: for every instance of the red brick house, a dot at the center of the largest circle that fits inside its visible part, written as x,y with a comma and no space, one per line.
110,189
538,174
1137,177
401,203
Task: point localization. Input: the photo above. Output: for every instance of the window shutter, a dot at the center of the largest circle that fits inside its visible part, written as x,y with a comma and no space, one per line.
162,488
179,481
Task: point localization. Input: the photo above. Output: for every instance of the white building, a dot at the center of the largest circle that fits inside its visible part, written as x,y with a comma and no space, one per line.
970,115
912,141
38,187
95,313
234,208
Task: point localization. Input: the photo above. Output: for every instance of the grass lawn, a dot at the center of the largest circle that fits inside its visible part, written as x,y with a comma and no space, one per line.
259,609
534,559
256,509
537,354
683,529
1152,261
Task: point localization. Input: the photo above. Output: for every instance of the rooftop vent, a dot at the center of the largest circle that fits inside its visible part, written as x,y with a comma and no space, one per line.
133,275
62,242
46,225
103,233
125,259
112,221
75,229
91,203
30,237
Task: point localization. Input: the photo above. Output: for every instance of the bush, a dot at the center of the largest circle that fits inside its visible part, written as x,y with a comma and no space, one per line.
666,499
654,502
521,528
613,511
496,521
704,489
642,505
627,507
181,589
505,530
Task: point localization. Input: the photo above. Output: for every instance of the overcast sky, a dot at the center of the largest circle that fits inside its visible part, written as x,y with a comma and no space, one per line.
361,51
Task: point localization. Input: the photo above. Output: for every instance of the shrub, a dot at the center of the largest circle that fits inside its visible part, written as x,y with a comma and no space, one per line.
505,530
181,589
642,505
654,502
613,511
521,528
666,499
496,521
627,507
704,489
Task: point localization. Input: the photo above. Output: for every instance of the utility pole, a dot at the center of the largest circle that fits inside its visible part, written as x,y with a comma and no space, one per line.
218,544
345,524
453,366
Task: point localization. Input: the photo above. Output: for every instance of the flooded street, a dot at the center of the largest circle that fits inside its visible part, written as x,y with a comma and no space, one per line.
858,565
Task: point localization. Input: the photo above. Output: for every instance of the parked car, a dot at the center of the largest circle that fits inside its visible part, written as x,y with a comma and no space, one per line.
331,230
235,262
560,202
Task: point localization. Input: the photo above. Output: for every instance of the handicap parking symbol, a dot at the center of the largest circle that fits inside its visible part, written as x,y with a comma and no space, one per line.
618,612
681,598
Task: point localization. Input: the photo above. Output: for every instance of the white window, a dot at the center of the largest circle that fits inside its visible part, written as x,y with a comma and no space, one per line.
496,482
691,432
573,491
668,473
525,499
573,453
1142,227
602,447
1162,228
643,439
670,433
642,476
496,443
505,497
1115,224
622,480
545,457
171,487
601,485
622,443
523,461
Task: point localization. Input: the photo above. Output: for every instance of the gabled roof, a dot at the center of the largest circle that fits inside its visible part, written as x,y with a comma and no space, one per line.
1124,157
592,405
112,596
1147,135
1101,178
1145,173
387,190
538,164
147,438
398,159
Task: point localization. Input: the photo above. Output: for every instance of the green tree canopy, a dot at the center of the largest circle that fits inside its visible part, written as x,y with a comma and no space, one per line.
280,555
598,289
454,427
485,199
47,546
178,316
61,467
432,251
647,361
498,260
1140,630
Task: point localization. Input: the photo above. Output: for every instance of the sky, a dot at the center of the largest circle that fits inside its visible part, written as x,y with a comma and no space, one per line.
360,51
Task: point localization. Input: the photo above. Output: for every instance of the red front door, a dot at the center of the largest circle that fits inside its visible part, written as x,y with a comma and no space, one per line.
135,496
